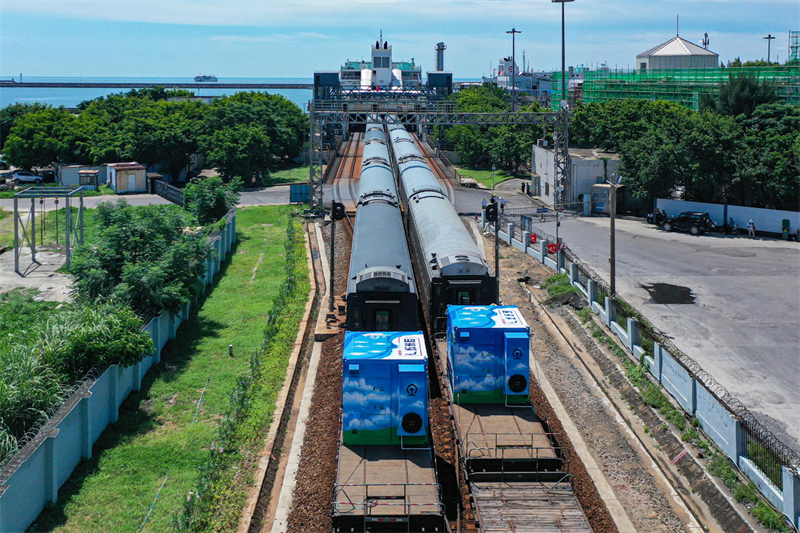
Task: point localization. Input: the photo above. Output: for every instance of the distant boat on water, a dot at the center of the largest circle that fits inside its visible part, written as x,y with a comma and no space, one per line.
205,77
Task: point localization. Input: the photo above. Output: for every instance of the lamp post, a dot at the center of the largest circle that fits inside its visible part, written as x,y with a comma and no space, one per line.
493,169
563,62
612,252
513,32
769,39
564,101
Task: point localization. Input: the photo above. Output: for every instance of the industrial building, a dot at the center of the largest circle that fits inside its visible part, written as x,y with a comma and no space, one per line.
532,86
674,71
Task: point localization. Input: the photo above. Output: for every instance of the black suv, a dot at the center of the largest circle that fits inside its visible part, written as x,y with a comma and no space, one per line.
694,223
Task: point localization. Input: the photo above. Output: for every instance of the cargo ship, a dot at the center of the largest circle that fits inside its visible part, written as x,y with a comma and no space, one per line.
205,77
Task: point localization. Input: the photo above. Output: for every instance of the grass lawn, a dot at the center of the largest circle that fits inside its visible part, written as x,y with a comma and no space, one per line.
485,176
49,221
298,174
156,436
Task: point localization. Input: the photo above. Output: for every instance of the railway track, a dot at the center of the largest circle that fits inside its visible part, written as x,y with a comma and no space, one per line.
345,189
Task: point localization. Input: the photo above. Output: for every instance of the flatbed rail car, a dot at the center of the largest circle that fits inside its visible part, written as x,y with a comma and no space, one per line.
381,290
449,267
386,478
517,474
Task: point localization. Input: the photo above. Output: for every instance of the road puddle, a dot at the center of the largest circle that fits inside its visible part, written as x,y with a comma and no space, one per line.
665,293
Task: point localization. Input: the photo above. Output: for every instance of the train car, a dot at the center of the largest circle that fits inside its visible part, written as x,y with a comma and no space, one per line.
517,474
381,290
449,267
488,351
386,477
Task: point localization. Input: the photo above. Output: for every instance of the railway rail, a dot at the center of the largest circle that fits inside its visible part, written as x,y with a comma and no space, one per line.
345,188
441,176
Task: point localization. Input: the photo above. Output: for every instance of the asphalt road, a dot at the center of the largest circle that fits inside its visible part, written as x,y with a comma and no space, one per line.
744,325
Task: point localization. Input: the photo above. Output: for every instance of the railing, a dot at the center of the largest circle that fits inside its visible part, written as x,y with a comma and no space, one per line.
440,154
384,502
169,192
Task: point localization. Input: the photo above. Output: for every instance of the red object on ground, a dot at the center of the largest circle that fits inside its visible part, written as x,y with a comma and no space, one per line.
533,238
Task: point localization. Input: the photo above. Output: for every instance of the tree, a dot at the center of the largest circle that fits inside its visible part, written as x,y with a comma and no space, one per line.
740,95
10,113
210,199
252,133
40,138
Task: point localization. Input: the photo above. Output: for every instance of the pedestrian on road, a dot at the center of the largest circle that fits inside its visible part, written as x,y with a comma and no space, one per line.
484,203
522,187
528,189
732,226
751,229
502,205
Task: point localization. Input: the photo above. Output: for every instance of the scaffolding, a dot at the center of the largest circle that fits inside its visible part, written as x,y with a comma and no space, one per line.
678,85
794,46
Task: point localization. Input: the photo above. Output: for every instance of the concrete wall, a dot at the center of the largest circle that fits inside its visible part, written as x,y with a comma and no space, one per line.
768,220
35,482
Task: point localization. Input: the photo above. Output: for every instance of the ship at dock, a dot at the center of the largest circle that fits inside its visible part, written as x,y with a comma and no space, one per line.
381,73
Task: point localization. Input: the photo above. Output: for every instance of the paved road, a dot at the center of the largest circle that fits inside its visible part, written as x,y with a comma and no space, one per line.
744,326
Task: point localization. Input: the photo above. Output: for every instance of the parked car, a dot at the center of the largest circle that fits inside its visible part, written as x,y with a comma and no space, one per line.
3,165
47,175
25,176
694,223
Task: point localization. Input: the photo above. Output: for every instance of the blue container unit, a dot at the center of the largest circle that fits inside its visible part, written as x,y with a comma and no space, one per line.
488,352
384,388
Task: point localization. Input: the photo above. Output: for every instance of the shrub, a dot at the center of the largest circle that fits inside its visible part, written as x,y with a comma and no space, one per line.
210,198
746,492
720,466
143,256
769,517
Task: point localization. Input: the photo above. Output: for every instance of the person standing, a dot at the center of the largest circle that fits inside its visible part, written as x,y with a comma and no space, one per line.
751,229
484,203
502,205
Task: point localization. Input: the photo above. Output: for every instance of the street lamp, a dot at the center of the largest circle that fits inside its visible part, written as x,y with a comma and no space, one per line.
769,39
493,169
563,106
563,68
612,253
513,32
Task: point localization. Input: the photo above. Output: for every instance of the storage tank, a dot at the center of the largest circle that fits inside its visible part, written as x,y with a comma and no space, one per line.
488,354
384,388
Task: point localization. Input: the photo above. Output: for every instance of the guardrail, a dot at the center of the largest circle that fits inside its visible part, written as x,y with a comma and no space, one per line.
46,458
758,453
443,158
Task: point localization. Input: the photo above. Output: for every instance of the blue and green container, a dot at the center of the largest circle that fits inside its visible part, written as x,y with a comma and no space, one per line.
384,388
488,354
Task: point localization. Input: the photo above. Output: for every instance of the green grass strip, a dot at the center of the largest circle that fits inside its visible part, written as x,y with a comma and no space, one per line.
485,176
155,436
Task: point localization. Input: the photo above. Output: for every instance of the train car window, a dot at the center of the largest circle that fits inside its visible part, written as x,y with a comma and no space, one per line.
381,322
464,297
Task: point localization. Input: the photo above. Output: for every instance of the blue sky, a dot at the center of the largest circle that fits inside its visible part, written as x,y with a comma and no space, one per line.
266,38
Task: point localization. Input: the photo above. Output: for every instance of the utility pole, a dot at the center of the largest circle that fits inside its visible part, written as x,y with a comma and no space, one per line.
769,39
612,252
513,32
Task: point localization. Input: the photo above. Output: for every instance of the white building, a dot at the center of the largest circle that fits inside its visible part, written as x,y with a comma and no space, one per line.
127,177
676,53
587,167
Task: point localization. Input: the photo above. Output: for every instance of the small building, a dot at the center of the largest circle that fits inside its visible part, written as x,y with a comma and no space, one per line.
587,168
127,177
75,175
676,53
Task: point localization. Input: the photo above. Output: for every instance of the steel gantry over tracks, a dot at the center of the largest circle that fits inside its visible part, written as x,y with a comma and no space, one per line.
339,116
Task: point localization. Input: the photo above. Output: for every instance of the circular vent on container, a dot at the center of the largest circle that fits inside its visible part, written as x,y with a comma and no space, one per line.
412,423
517,383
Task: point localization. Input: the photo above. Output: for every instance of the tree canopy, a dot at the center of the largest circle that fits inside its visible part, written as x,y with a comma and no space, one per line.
247,134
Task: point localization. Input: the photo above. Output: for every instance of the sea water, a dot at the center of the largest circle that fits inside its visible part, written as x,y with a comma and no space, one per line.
71,97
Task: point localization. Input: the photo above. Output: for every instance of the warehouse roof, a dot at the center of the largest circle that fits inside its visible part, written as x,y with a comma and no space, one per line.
677,46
